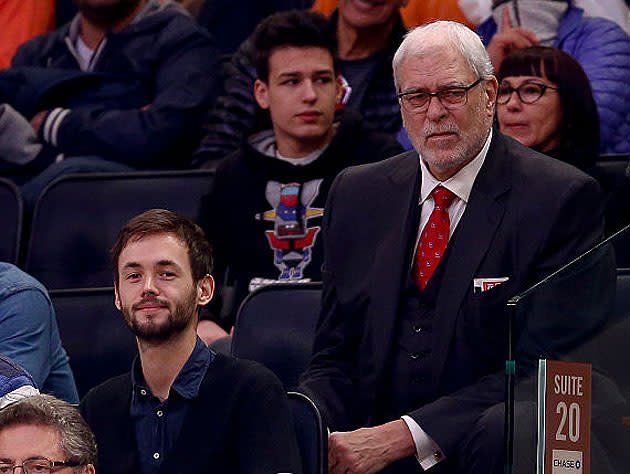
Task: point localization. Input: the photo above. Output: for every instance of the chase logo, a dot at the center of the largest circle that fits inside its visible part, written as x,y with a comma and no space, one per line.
566,462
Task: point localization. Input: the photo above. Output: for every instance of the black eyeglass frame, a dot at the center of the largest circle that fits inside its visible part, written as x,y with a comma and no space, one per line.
542,86
53,464
438,95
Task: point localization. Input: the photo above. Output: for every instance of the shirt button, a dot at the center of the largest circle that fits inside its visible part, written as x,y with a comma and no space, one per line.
159,413
143,392
437,455
156,456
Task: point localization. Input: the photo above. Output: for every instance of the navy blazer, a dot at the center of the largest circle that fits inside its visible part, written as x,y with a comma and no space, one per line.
527,215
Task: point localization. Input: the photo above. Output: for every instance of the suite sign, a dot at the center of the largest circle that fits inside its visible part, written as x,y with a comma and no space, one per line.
564,417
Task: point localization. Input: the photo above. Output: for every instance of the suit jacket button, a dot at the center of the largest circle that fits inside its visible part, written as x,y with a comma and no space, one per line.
414,355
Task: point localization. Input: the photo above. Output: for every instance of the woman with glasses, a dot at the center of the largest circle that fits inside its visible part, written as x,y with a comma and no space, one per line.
545,102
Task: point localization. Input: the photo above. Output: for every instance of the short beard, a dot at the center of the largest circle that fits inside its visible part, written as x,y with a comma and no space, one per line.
178,319
469,146
107,16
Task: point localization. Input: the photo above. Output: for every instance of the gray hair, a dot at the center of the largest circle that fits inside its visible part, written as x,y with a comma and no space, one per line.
449,33
77,440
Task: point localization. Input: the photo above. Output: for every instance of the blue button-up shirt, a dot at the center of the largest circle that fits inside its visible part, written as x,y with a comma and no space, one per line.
158,424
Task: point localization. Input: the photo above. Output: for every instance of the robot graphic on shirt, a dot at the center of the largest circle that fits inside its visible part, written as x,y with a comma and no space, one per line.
291,239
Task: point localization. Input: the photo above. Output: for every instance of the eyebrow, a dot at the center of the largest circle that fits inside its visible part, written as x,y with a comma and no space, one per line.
299,73
161,263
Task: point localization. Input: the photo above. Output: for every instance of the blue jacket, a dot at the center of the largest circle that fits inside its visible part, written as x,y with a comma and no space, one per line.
29,333
603,50
162,49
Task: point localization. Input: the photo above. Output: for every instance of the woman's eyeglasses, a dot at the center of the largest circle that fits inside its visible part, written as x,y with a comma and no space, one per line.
528,92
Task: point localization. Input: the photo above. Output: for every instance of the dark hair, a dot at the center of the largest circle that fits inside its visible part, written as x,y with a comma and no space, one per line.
161,221
579,130
300,28
77,440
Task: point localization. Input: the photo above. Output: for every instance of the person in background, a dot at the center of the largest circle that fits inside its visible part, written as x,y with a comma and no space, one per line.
29,334
368,34
123,86
41,434
283,175
600,46
545,102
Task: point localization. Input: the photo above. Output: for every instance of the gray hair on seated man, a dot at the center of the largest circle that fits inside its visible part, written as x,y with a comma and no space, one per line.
46,418
450,33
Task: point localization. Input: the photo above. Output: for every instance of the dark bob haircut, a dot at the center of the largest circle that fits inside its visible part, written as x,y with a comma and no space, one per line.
297,28
579,130
161,221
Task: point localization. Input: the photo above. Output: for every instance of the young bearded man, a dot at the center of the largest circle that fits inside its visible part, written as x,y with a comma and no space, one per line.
264,213
182,408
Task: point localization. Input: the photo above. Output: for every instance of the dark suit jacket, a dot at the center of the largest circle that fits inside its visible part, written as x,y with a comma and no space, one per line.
527,215
238,423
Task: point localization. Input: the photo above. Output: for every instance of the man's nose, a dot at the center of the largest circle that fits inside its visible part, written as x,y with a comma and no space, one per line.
309,92
149,285
435,109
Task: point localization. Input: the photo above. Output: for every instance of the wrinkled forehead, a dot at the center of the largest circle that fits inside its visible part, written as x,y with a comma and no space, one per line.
435,67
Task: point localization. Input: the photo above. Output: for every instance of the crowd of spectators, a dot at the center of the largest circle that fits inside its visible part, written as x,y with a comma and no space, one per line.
278,97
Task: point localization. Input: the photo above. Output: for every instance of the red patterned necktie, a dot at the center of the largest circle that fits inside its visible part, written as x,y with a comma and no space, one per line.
434,237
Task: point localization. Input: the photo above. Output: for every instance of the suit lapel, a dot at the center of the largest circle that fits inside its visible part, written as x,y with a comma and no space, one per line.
401,190
474,234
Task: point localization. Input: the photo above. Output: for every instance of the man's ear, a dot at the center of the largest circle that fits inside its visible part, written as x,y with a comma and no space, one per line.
261,92
340,90
491,89
89,469
205,290
117,298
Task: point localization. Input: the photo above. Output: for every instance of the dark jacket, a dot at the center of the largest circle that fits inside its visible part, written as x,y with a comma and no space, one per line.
164,51
236,114
244,215
238,424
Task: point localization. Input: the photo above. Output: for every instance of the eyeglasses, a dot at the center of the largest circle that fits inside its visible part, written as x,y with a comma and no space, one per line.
450,98
35,466
528,92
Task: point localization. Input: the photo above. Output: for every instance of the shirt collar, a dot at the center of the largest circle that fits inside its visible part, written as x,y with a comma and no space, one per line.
460,183
189,378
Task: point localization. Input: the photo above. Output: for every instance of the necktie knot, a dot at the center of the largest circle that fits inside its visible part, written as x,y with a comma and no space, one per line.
443,197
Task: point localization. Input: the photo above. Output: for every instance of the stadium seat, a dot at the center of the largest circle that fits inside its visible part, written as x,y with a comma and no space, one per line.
611,172
310,432
78,216
10,221
275,326
94,334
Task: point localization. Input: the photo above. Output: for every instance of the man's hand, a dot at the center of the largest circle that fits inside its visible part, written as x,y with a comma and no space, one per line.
368,450
509,39
37,120
209,331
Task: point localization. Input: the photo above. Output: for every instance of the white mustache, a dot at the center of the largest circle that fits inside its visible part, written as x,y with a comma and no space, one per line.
432,129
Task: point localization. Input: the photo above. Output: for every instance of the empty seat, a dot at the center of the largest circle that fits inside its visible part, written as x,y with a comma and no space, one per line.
10,221
78,217
275,326
94,334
